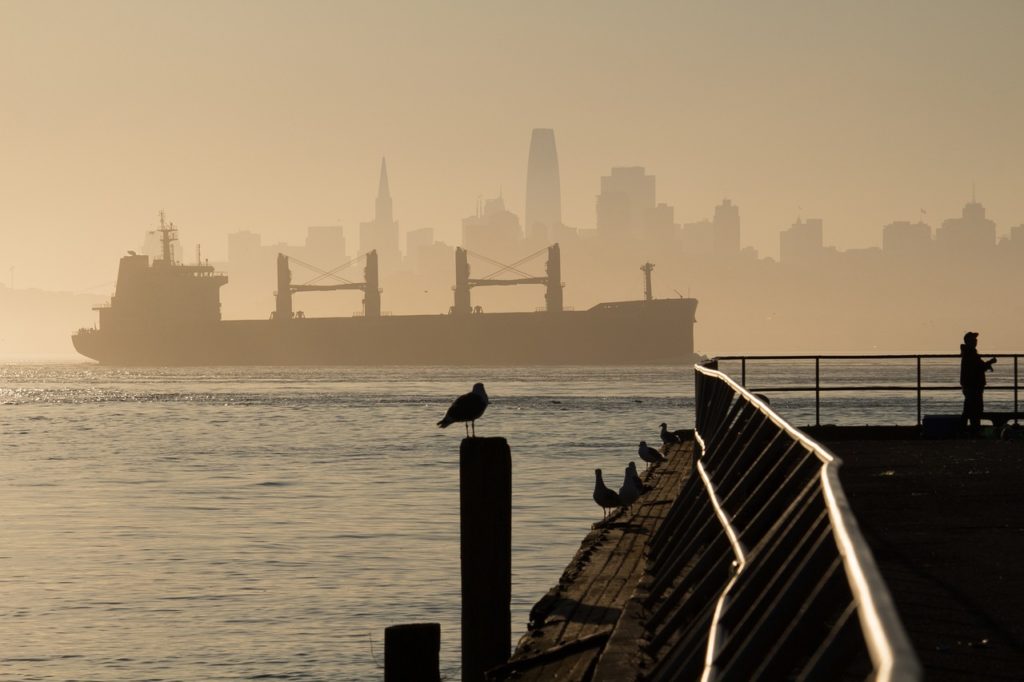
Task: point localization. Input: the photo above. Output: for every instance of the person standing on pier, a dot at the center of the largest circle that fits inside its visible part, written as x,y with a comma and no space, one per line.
972,381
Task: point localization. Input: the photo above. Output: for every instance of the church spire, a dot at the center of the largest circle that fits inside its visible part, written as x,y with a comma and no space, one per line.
383,191
383,215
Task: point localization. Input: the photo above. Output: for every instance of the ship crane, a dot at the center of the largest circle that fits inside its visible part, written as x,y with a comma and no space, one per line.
552,281
285,288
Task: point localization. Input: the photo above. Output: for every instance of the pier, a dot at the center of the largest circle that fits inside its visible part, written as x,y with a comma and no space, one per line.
945,525
581,624
759,554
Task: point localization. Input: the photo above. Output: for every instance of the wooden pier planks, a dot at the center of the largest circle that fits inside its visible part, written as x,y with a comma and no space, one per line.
573,623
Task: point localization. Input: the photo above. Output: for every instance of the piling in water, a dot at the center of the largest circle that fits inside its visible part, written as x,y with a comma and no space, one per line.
412,652
485,499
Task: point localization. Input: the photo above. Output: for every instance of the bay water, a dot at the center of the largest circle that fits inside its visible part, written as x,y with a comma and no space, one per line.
269,523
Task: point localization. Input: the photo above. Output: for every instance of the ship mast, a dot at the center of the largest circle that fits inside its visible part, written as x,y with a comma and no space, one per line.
647,269
168,235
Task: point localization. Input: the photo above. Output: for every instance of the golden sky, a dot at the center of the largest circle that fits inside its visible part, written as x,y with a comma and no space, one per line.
273,116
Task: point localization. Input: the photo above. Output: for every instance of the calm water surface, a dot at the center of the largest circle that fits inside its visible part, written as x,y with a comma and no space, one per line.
269,523
226,523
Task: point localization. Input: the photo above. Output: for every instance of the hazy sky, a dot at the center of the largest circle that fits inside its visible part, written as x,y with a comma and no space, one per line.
272,116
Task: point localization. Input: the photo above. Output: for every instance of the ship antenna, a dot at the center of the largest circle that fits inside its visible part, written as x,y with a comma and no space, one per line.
167,237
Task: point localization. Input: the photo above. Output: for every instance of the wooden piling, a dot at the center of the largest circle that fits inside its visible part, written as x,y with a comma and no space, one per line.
485,504
412,652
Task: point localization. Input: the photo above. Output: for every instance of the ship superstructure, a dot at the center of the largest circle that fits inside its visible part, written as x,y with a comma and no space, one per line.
164,293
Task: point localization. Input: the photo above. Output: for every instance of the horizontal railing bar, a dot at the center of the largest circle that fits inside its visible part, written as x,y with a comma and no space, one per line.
923,356
920,387
887,642
864,387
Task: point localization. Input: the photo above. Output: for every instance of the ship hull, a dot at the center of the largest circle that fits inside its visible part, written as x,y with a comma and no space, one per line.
632,332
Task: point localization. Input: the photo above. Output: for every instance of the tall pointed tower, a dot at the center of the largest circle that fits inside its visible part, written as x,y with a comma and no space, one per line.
543,187
383,207
381,233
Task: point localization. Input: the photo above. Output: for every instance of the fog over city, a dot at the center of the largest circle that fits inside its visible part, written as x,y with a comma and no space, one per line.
821,176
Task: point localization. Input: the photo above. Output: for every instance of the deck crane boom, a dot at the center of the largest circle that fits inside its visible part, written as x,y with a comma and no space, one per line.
370,287
552,280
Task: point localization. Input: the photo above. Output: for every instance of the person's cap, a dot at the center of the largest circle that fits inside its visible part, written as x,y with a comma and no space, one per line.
970,335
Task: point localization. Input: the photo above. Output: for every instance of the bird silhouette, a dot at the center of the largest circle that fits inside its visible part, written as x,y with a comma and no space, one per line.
667,437
637,481
466,408
603,495
649,454
630,490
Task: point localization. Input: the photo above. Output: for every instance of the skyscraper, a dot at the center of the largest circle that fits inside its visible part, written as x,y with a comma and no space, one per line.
971,233
543,187
803,243
494,232
905,239
627,196
727,229
381,233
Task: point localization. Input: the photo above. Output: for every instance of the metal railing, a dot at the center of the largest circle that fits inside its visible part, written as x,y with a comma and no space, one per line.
919,387
759,570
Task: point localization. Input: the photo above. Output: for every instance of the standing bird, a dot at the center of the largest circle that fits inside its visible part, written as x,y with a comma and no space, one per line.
466,408
630,490
637,481
603,495
649,454
667,437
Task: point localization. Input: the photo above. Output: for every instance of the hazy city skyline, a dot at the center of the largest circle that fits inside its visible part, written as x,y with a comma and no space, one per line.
264,117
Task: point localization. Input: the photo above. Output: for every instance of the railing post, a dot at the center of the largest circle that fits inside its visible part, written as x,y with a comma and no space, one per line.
743,372
1015,389
919,390
698,399
817,391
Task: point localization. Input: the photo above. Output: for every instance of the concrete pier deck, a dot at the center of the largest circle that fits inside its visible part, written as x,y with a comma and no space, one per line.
944,521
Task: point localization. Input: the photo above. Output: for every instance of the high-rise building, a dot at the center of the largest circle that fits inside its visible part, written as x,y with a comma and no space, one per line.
494,231
381,233
802,243
904,238
698,238
1017,237
543,186
416,241
971,233
727,229
627,196
243,246
327,244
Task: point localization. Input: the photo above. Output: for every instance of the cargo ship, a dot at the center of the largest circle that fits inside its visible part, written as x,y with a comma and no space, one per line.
166,313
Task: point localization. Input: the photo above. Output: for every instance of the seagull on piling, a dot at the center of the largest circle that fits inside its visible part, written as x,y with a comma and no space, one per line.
630,490
667,437
603,495
466,408
649,454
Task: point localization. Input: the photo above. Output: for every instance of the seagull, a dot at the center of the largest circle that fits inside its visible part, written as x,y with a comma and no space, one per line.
649,454
466,408
603,495
637,481
667,437
630,489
